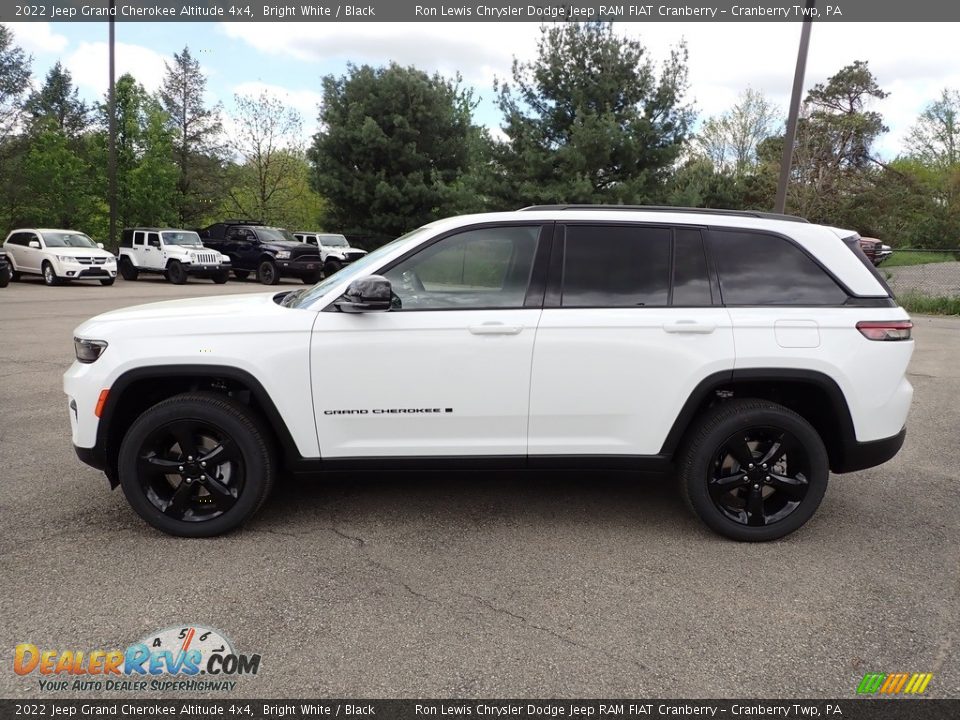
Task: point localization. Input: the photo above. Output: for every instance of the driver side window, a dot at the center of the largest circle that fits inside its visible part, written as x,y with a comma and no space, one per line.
472,270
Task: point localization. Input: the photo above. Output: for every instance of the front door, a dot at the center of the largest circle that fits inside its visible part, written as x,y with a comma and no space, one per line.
446,372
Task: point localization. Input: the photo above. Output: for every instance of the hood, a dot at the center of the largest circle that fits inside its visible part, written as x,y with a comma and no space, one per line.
81,252
295,248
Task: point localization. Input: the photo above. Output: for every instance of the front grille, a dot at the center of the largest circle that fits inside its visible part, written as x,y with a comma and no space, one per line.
354,255
91,261
307,257
206,258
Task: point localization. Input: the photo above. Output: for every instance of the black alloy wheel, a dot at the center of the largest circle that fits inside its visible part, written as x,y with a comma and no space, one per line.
176,273
196,465
267,273
753,470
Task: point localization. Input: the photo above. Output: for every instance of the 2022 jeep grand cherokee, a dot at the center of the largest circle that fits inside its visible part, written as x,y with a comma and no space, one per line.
749,353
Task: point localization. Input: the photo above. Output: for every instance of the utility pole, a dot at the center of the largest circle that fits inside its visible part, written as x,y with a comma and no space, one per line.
786,162
112,130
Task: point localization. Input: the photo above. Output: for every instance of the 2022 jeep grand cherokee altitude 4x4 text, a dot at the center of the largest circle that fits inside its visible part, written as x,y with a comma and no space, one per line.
749,354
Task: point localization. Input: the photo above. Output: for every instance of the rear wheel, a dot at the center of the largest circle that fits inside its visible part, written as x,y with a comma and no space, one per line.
5,277
267,273
196,465
312,278
127,269
49,275
753,470
175,273
220,277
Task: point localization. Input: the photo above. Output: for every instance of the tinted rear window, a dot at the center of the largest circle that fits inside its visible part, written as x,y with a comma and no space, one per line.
761,269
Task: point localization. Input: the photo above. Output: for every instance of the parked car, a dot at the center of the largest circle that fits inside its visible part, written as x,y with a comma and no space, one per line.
727,346
875,250
270,252
58,256
176,254
4,271
335,250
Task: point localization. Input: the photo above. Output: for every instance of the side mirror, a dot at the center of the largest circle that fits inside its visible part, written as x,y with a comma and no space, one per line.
100,245
369,294
35,244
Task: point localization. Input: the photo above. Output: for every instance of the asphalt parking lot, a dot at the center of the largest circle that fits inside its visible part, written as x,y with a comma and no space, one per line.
480,585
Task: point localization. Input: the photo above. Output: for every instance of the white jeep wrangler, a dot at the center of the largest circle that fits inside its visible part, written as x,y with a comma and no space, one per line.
176,254
748,354
335,250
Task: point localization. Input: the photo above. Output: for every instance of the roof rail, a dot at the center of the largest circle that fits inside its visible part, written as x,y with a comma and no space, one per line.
665,208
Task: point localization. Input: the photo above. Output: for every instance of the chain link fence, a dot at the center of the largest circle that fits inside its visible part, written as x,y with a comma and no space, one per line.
924,273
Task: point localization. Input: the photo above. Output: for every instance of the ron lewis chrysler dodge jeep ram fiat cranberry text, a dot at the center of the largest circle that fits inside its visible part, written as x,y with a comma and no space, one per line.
751,354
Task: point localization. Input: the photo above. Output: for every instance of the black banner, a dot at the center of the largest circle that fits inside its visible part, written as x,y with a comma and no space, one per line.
472,11
119,709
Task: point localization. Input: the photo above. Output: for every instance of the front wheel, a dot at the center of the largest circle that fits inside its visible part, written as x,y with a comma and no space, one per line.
127,269
107,281
49,275
267,273
196,465
175,273
331,267
220,277
753,470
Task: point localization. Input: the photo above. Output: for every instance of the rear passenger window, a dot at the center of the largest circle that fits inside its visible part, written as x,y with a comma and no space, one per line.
761,269
691,285
616,266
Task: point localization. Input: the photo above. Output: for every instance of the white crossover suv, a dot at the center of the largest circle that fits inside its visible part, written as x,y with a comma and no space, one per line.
747,354
58,256
175,254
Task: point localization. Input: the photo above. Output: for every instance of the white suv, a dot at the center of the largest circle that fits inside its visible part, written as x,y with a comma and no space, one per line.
748,353
175,254
335,250
58,256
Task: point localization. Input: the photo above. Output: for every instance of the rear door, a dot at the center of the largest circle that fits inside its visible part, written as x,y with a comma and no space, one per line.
631,324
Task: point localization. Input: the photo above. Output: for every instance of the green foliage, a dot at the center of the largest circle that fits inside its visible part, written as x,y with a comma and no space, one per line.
591,120
935,139
905,258
394,144
58,102
196,132
294,204
929,305
731,140
14,81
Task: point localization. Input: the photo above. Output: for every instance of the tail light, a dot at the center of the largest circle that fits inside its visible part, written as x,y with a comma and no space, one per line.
885,329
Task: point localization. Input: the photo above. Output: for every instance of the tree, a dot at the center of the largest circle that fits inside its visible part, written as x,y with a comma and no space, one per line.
591,120
14,81
58,101
268,139
394,143
730,141
197,130
935,139
146,174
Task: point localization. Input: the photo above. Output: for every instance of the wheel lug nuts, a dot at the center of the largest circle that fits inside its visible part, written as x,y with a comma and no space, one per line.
756,487
203,464
767,478
190,458
750,466
180,468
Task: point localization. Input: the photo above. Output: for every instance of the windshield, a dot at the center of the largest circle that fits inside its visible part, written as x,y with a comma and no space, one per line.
306,296
333,240
275,235
184,237
67,239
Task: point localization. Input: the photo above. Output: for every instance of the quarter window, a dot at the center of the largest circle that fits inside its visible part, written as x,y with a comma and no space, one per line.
482,268
762,269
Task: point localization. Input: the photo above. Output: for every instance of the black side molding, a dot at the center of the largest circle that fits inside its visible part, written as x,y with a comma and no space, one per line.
863,455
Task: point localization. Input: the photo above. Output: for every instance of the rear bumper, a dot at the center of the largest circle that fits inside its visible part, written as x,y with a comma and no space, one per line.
863,455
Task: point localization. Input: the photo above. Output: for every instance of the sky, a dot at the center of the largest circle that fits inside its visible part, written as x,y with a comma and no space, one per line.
914,62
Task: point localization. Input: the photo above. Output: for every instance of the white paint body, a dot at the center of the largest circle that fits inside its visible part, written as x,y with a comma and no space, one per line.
67,262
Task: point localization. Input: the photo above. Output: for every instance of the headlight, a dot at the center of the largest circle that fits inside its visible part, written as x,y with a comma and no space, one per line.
110,261
88,351
66,258
283,254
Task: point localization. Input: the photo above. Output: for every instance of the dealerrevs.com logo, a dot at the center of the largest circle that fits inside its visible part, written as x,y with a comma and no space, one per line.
188,658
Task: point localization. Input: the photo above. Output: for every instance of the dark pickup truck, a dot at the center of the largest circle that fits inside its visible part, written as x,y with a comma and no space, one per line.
269,252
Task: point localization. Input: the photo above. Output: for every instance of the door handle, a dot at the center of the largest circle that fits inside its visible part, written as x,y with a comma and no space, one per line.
495,328
689,326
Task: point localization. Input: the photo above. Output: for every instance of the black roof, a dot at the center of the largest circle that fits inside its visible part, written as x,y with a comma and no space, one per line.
664,208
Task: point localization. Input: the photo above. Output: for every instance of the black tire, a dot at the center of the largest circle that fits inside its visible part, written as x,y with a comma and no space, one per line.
175,273
241,274
331,267
107,281
267,273
220,277
740,499
127,269
5,277
50,278
312,278
14,275
215,501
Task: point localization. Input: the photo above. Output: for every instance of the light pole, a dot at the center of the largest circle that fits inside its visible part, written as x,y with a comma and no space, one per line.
790,137
112,131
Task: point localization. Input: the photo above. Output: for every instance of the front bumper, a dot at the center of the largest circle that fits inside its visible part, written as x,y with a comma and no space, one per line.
89,272
206,270
299,267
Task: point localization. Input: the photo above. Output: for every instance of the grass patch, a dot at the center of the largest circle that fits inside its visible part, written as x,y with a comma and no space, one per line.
901,258
929,305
